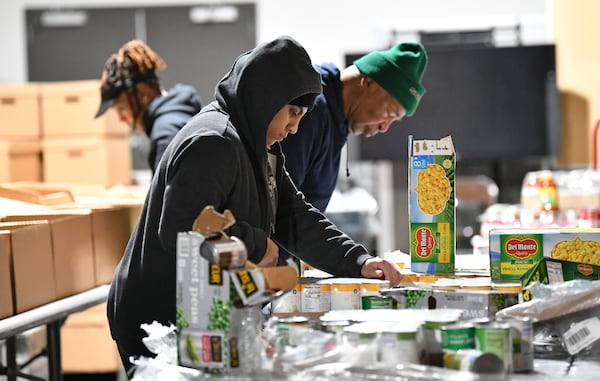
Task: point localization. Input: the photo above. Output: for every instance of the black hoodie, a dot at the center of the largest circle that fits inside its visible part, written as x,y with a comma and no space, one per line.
219,158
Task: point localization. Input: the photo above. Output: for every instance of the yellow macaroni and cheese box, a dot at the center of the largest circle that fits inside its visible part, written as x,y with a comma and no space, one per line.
431,205
514,251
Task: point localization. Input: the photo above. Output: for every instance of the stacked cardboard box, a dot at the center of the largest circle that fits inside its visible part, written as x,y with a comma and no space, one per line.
76,147
20,151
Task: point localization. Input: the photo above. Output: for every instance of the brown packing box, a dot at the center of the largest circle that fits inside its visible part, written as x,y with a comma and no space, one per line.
86,344
20,160
6,290
92,160
72,249
32,264
68,109
111,233
20,111
108,229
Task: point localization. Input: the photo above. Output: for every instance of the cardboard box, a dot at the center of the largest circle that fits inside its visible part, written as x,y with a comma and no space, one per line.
548,271
431,205
475,304
102,233
20,112
20,161
6,289
86,344
111,233
72,249
68,109
514,251
32,264
105,160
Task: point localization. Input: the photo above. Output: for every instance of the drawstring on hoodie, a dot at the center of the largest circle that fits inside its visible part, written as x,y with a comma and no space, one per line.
347,166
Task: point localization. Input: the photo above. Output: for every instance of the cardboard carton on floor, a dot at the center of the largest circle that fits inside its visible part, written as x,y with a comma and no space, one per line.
19,111
86,344
71,247
33,278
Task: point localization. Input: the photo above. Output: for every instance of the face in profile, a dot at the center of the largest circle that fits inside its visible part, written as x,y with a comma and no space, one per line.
285,122
375,111
125,113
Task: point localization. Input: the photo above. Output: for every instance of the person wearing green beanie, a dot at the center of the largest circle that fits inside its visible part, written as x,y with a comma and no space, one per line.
364,98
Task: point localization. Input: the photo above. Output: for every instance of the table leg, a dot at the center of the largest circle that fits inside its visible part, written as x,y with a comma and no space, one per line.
54,359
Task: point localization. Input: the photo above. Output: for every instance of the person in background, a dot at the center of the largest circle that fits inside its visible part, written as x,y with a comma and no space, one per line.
131,87
365,98
228,156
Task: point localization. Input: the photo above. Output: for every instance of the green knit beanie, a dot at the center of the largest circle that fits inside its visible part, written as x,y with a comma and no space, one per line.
399,71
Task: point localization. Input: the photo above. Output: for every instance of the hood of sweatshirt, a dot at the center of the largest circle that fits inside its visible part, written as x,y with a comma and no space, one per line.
260,83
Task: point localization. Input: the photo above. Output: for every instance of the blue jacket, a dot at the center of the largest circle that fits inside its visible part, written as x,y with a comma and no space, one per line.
313,153
165,116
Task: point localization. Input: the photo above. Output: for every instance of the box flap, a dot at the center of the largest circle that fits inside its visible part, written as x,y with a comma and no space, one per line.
20,147
62,88
9,93
37,196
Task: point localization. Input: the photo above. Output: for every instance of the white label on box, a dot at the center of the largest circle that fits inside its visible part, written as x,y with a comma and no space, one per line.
555,273
582,334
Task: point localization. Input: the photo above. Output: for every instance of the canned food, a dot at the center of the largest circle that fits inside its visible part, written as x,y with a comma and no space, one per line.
363,337
522,342
345,295
315,297
432,340
473,360
288,302
228,253
398,346
455,337
494,337
290,329
375,302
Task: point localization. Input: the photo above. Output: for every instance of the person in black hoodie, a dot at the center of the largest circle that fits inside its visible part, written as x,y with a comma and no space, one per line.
130,86
229,156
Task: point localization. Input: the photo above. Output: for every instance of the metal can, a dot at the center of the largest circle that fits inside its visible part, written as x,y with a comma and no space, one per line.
378,302
398,346
494,337
455,337
315,297
288,302
473,360
431,340
290,328
345,295
522,342
228,253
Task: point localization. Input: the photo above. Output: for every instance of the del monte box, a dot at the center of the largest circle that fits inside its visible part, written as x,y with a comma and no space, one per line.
431,205
514,251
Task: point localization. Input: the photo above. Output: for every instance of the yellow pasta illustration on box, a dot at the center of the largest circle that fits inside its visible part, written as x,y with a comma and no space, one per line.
433,189
577,250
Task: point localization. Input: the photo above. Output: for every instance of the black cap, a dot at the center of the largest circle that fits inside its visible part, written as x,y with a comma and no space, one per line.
110,92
